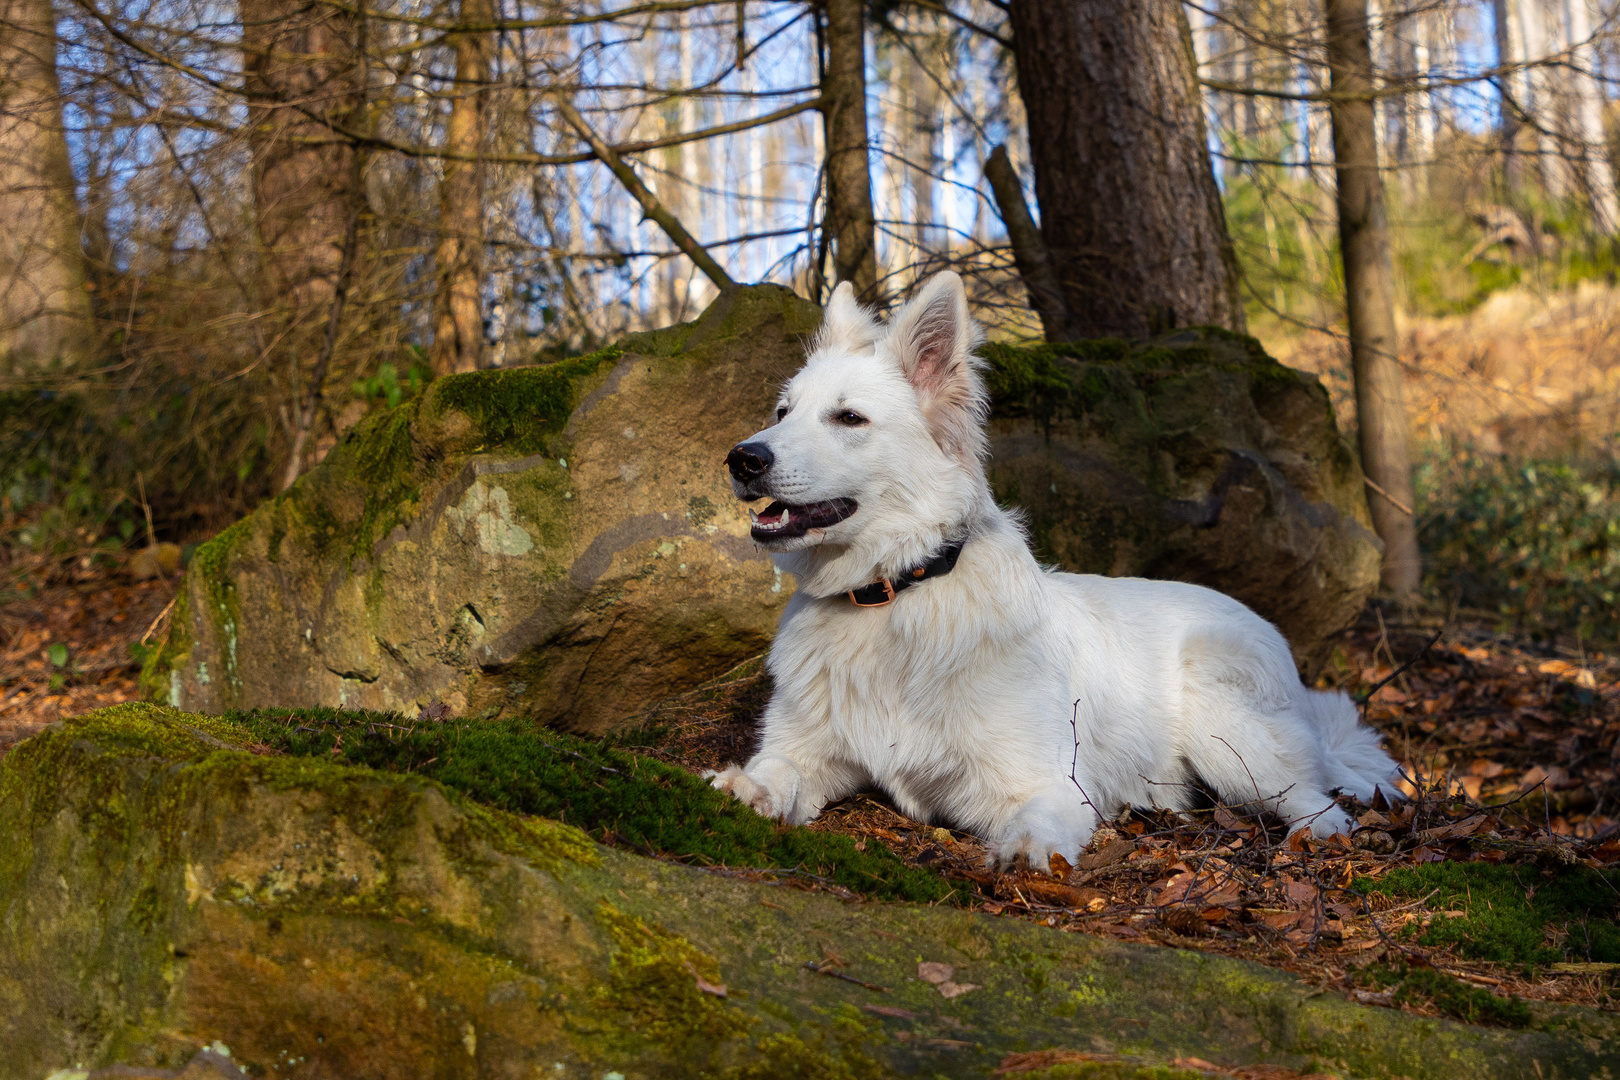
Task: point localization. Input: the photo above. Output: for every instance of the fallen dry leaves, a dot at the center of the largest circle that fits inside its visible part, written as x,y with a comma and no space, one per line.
89,620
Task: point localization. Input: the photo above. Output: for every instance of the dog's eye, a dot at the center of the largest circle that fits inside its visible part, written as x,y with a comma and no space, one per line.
781,411
850,419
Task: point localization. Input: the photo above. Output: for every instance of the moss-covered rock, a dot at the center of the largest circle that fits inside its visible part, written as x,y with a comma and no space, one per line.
1194,457
562,541
557,541
164,888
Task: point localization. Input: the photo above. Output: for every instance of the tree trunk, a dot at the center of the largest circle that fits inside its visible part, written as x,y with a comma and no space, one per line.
300,76
1370,297
1586,120
44,309
1509,50
1129,207
458,328
849,182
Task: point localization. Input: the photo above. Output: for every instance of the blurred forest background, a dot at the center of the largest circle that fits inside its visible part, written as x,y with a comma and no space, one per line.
228,230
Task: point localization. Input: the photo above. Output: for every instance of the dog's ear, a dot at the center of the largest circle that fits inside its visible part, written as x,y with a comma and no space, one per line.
846,326
932,338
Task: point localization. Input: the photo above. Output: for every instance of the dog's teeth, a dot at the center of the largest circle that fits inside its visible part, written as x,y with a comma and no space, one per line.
754,515
786,515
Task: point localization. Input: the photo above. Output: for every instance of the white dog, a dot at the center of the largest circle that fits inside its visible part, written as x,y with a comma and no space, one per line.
926,652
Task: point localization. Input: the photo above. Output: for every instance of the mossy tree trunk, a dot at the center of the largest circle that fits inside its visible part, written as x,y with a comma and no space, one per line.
1369,286
1129,207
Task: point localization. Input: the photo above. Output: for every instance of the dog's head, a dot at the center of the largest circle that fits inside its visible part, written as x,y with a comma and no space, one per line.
876,456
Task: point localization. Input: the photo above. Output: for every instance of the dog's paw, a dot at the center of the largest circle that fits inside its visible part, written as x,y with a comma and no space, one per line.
746,789
1022,852
1330,822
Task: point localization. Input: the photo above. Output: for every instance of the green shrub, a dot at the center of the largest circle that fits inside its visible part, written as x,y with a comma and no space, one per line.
1535,542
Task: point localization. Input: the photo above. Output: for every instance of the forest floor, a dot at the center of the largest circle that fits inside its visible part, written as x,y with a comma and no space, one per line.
1497,872
72,641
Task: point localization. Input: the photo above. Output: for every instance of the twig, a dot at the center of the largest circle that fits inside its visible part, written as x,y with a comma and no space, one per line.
1402,507
828,970
160,617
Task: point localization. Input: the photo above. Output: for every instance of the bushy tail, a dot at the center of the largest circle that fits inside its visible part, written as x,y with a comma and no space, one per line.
1352,757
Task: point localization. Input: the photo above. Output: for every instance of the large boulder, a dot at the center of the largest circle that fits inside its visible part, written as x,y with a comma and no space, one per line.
1194,457
171,899
562,542
559,541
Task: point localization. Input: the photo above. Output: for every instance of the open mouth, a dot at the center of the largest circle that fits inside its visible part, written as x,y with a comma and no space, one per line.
779,521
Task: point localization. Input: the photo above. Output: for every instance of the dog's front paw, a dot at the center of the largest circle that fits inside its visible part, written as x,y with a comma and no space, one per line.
1028,850
747,790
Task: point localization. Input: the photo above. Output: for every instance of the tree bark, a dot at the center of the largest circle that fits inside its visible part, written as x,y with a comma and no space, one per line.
458,328
1370,296
44,309
1509,50
1129,207
301,68
849,181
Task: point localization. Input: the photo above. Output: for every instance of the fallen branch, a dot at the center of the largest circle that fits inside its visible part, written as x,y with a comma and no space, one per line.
650,205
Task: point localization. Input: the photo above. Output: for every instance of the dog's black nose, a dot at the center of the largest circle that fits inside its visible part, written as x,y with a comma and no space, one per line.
748,461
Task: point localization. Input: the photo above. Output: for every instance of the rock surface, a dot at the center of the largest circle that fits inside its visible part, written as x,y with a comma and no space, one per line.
557,541
164,890
1194,457
562,541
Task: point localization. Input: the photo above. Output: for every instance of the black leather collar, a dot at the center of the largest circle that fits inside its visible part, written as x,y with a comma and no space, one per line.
882,593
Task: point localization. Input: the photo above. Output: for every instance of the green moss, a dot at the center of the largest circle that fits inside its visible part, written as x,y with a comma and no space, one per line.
191,751
1109,1070
1453,997
1514,914
1048,379
652,987
518,408
520,766
171,654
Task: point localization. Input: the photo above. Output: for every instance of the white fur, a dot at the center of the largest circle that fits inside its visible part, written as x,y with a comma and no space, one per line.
973,696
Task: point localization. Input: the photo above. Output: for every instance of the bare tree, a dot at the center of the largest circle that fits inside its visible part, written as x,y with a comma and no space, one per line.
1129,207
44,309
458,328
1369,278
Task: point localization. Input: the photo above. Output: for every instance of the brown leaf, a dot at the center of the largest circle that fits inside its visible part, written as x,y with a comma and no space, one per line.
1108,856
931,971
1186,921
1059,866
1057,893
717,989
949,990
